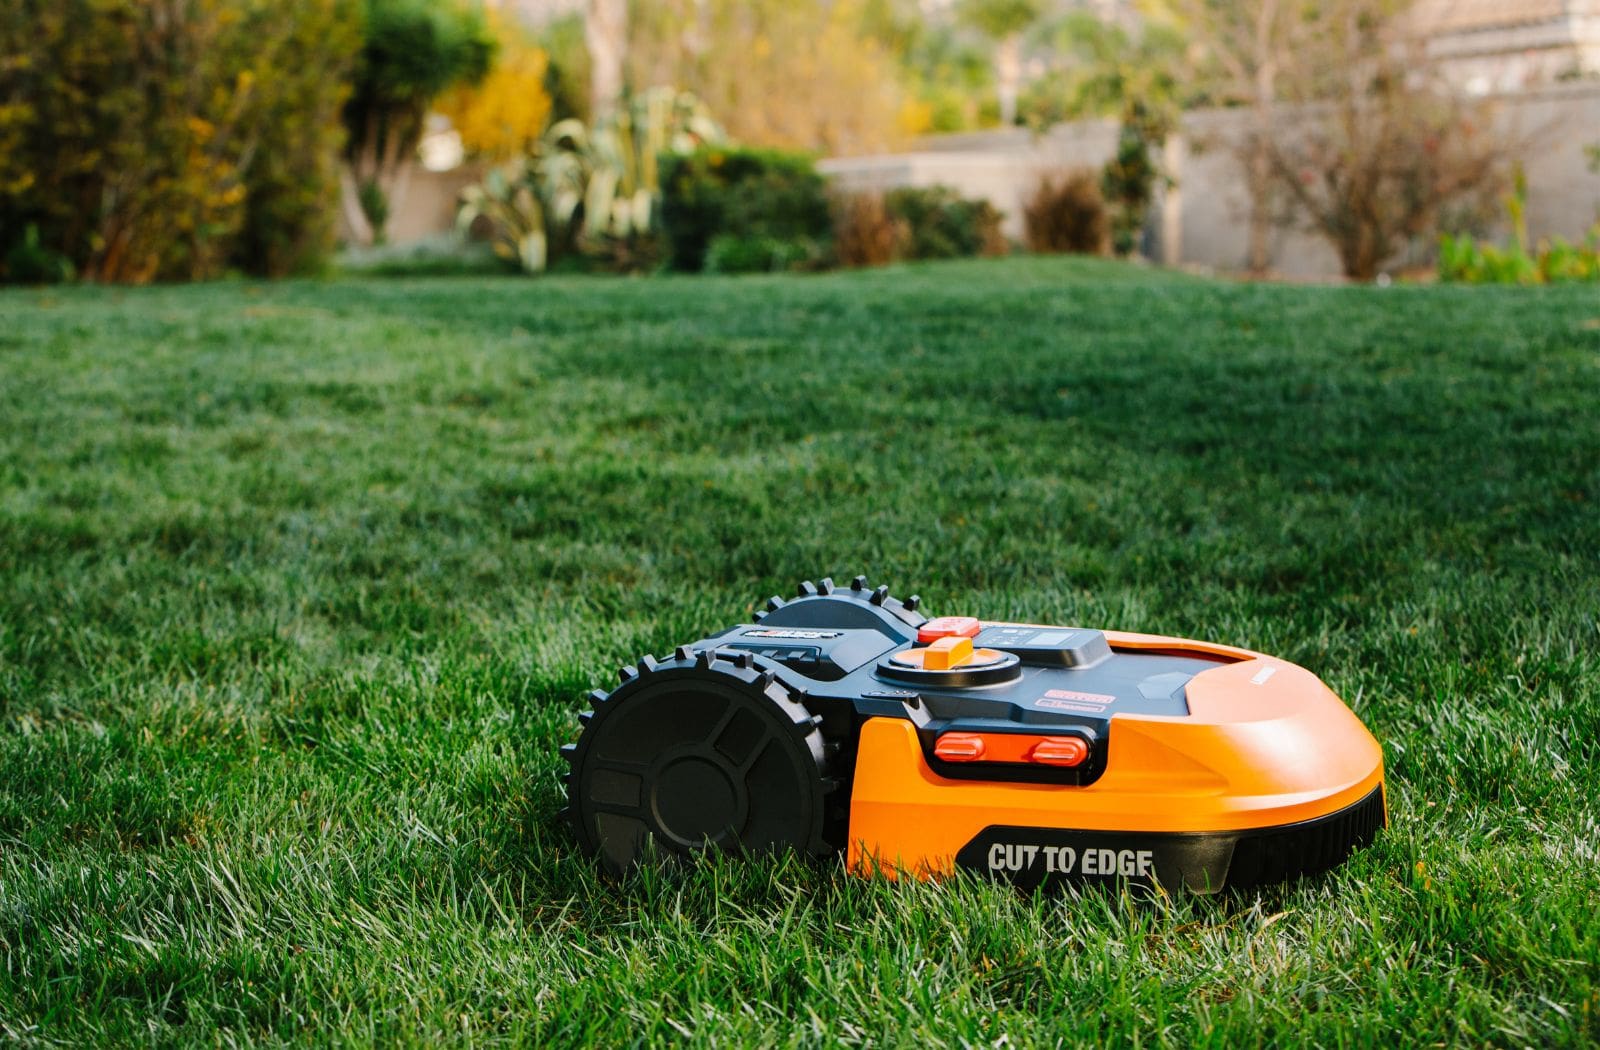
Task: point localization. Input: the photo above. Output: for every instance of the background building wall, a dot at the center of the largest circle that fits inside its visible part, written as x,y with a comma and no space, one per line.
1486,46
1201,219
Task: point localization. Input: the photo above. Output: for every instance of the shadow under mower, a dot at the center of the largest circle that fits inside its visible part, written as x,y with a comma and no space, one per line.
843,718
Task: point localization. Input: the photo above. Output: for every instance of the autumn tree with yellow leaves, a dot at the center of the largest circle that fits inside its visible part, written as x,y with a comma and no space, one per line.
775,72
503,116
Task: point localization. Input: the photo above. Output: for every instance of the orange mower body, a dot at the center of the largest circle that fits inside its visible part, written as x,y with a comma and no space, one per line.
1041,755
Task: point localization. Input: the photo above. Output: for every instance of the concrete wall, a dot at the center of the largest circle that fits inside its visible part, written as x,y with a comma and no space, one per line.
1001,166
1563,194
1203,219
428,208
1214,206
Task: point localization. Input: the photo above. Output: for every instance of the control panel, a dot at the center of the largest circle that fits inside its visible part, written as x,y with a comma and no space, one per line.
1047,646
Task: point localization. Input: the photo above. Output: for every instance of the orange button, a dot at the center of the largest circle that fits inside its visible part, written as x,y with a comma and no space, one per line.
947,627
1059,751
959,747
946,653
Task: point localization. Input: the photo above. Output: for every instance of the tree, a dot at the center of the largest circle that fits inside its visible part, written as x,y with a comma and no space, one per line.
167,140
1004,22
292,183
1347,120
788,73
1102,68
504,115
411,52
1134,77
944,68
605,31
567,79
1386,147
1246,45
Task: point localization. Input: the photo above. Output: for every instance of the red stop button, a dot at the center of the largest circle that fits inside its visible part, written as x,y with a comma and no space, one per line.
948,627
1059,751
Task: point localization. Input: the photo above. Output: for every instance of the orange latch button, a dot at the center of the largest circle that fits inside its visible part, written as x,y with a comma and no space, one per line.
959,747
946,653
1059,751
947,627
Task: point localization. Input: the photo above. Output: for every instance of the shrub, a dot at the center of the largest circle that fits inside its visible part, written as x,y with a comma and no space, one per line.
162,139
29,262
1067,213
865,233
1131,176
292,181
739,193
914,222
622,157
514,208
944,225
1556,261
760,253
1394,145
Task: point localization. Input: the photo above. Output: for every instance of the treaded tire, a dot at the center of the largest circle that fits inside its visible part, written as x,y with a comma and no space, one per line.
700,751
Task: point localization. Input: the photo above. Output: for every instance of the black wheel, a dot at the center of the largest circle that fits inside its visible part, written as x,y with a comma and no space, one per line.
701,751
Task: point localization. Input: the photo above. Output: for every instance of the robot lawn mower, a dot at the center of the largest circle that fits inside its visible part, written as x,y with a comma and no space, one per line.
842,718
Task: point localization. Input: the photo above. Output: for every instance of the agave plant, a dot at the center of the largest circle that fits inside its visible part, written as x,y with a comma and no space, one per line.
508,199
532,208
597,188
625,184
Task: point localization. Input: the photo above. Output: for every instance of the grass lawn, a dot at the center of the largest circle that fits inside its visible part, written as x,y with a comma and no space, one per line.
301,586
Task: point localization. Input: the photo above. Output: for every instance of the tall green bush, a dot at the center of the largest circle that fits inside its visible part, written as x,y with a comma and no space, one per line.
566,78
292,183
162,139
1130,178
751,195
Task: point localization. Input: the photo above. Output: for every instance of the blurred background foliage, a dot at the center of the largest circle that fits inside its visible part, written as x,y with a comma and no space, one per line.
589,192
568,71
249,178
776,72
743,209
145,140
1103,68
170,139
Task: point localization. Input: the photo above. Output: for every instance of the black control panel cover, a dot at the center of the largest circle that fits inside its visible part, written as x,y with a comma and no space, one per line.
1048,646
